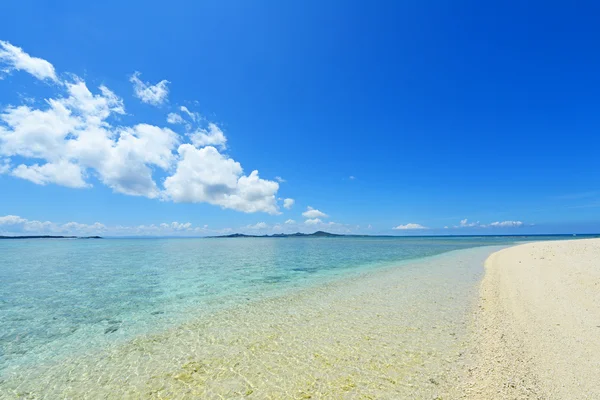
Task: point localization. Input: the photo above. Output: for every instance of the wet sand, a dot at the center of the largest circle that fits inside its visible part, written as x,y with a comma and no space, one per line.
537,330
394,333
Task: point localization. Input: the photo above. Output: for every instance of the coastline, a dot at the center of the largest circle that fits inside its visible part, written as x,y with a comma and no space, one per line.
395,333
537,325
430,328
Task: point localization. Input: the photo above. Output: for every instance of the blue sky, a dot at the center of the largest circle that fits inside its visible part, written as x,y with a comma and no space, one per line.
375,115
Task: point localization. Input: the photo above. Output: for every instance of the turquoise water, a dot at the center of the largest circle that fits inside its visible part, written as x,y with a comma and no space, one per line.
63,297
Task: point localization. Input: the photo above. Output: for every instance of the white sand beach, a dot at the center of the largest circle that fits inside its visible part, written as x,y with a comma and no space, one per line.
538,325
398,333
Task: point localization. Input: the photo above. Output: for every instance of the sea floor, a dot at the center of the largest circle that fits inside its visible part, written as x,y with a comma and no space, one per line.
398,332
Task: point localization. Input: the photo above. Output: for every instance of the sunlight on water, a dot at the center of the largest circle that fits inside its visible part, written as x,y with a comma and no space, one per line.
230,317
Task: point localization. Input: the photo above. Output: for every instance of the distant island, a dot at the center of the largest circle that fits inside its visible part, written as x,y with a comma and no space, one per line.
327,234
284,235
50,237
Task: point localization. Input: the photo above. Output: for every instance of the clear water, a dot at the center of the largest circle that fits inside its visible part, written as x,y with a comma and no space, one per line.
63,297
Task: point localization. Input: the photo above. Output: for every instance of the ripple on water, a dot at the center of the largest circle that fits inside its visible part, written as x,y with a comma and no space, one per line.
395,333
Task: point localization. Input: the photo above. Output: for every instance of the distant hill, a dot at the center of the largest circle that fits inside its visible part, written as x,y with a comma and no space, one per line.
50,237
283,235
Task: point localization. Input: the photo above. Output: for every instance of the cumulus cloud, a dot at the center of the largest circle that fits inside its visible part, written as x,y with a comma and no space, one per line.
290,226
313,224
313,221
205,175
177,226
498,224
15,225
147,93
62,173
5,166
194,116
72,135
11,220
14,58
313,213
73,139
213,136
409,226
288,203
174,118
466,224
506,224
279,179
257,226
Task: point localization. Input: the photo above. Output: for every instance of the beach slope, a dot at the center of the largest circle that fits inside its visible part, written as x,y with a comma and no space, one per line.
538,323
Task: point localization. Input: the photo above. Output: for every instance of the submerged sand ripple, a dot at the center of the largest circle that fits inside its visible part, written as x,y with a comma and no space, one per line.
394,333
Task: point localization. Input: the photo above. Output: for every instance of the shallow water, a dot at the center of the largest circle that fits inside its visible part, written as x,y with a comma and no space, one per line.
141,308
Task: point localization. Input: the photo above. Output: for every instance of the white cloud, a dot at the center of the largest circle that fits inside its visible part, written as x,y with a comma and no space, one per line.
205,175
11,220
174,118
279,179
62,173
75,226
15,225
290,226
192,115
16,59
312,213
73,138
498,224
163,229
288,203
5,166
257,226
313,221
507,224
213,136
409,226
466,224
177,226
147,93
72,134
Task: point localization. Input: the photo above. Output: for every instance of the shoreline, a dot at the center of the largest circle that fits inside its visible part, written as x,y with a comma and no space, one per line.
441,326
388,334
219,306
537,323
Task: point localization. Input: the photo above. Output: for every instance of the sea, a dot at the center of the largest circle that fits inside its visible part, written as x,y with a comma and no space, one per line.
63,301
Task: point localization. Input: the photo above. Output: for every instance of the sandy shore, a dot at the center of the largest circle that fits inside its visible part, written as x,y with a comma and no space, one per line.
403,332
538,325
396,333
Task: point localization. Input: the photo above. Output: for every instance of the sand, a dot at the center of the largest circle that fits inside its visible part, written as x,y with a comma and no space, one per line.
537,330
396,333
407,332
